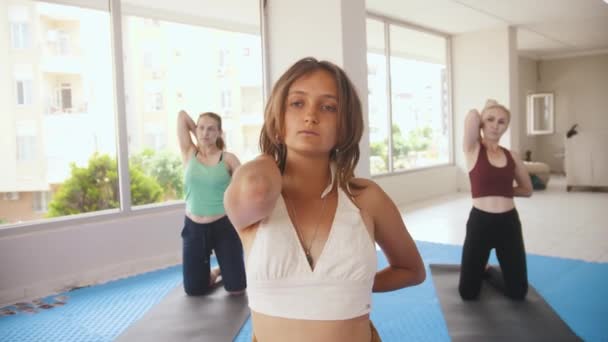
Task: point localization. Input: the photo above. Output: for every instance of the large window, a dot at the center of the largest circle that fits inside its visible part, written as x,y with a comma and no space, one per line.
64,121
175,63
60,164
410,129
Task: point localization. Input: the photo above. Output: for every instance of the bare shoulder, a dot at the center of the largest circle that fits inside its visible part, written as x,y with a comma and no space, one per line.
231,157
515,156
232,161
367,194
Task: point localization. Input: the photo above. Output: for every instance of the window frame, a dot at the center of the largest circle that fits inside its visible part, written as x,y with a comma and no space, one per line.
387,22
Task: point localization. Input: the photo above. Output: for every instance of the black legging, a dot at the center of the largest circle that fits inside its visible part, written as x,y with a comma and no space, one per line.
500,231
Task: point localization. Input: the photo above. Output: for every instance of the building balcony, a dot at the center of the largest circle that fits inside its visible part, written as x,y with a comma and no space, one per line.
61,64
79,109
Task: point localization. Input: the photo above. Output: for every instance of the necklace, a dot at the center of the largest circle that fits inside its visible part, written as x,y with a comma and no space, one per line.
314,236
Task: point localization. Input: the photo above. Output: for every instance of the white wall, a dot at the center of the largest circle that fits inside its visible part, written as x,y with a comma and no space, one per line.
482,68
528,83
297,29
37,261
580,86
291,34
419,185
513,102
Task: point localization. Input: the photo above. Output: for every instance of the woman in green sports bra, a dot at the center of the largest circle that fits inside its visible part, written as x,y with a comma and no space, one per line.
208,170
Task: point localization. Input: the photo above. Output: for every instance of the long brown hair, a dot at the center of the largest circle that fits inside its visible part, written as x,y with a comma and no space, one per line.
220,141
350,119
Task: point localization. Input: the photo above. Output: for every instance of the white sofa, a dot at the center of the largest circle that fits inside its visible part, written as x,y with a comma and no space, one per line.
587,159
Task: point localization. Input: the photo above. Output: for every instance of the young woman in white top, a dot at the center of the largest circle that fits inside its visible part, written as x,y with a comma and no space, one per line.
309,226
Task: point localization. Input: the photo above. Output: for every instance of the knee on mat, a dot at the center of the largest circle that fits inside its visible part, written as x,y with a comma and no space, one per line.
196,291
468,294
236,290
518,293
237,293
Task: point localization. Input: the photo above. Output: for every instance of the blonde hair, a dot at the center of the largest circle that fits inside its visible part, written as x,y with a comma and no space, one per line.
350,119
493,104
220,141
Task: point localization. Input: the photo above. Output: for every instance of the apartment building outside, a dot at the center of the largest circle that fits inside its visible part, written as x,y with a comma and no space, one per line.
57,99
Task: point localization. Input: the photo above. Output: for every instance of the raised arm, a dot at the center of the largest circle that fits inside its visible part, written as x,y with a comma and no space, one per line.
472,126
253,192
522,178
405,264
185,126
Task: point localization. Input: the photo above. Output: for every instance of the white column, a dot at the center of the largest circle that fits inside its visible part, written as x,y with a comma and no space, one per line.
332,30
516,114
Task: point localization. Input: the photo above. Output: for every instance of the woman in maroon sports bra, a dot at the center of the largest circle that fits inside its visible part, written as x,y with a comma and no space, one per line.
493,221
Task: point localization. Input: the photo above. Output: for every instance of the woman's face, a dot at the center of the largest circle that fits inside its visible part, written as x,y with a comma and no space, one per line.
311,114
494,123
207,131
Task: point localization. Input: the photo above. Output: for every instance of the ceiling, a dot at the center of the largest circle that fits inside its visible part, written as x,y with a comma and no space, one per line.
545,28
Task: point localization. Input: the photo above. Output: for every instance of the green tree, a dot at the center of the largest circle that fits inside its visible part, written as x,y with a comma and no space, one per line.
401,147
380,150
95,187
165,167
418,139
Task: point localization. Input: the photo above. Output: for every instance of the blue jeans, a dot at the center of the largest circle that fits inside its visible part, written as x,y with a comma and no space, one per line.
198,241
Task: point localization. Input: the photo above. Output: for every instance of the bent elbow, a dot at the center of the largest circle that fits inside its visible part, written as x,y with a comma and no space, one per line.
249,200
417,275
420,275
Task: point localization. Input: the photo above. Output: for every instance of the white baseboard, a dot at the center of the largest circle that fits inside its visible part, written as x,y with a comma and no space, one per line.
95,277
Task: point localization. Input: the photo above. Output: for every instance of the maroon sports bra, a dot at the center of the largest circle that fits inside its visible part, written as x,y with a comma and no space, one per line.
489,180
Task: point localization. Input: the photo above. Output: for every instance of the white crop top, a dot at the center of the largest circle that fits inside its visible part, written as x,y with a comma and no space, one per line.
281,283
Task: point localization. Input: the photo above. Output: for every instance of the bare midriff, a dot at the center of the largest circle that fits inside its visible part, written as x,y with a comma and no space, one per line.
494,204
278,329
204,219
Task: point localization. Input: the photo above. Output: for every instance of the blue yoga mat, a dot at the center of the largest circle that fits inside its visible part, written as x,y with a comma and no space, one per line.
575,289
414,314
